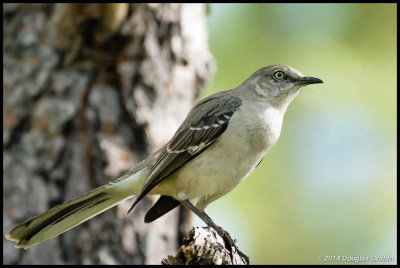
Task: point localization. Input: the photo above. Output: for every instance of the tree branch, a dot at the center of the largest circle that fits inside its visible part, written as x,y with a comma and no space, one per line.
205,247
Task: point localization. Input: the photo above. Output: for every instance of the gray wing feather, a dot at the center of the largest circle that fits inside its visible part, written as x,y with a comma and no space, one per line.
207,120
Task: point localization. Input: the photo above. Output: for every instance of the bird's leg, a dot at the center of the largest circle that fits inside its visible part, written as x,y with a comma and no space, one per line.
229,242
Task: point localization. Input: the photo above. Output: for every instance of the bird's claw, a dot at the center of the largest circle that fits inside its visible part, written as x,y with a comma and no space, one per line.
230,244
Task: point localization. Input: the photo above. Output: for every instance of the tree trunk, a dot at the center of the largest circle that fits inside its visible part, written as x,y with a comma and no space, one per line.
90,90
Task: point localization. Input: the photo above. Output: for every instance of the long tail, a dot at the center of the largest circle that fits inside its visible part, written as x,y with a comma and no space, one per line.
66,216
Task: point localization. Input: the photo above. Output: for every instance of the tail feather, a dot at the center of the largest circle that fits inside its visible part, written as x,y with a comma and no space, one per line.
66,216
161,207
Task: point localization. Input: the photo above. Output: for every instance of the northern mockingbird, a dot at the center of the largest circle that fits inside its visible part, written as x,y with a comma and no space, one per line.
221,141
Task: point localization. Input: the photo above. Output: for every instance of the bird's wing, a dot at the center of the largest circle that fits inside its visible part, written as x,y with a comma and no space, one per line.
205,123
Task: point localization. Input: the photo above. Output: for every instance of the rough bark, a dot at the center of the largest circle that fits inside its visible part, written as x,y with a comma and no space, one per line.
89,90
205,247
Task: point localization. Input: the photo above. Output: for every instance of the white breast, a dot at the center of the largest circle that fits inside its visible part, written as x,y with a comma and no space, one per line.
273,124
229,160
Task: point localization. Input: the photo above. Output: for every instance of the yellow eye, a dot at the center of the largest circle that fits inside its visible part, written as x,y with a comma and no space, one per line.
279,75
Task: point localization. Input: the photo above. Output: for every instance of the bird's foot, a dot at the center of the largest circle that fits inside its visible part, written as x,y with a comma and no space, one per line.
230,243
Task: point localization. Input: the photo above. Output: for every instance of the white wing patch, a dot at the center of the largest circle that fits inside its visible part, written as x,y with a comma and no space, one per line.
197,148
195,128
220,122
175,152
194,149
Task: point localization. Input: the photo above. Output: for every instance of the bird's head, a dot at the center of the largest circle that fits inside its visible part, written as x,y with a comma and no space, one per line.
278,84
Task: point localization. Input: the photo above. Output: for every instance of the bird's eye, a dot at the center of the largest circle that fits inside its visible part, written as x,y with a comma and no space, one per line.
279,75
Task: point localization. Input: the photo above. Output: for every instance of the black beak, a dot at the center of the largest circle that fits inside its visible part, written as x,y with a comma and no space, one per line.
307,80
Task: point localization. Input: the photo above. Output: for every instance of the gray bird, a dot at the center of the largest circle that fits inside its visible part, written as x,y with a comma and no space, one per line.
221,141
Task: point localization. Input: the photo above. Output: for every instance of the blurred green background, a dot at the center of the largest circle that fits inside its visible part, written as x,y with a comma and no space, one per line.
328,187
